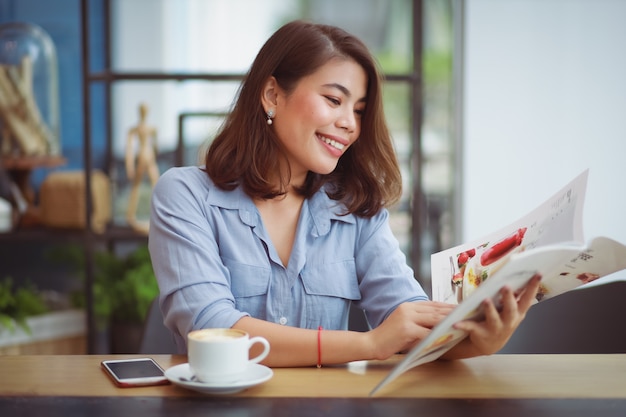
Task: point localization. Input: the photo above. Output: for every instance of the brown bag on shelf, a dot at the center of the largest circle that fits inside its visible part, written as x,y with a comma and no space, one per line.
62,200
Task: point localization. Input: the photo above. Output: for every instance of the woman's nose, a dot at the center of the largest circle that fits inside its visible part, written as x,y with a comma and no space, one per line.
347,121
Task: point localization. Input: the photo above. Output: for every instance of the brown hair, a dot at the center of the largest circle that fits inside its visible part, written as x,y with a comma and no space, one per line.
246,151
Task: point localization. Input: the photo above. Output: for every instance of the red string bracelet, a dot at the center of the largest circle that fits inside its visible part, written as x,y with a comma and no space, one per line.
319,346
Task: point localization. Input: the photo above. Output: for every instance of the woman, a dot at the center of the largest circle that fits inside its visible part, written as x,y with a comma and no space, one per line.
286,224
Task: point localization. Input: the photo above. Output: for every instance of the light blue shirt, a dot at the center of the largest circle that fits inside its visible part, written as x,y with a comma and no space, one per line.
215,262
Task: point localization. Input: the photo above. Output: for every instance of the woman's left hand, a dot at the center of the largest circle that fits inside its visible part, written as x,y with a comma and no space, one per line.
491,334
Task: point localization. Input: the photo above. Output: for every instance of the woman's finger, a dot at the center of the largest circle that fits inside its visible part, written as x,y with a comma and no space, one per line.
527,298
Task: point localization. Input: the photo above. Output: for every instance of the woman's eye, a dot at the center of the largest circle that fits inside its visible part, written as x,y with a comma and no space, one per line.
333,100
359,112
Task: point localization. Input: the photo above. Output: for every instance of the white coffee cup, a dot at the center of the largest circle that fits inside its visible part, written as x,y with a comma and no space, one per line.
220,356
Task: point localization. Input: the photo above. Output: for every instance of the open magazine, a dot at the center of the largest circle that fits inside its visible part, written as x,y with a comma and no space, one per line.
548,241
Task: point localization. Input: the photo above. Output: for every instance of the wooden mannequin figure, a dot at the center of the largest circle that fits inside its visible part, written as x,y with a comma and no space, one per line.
140,160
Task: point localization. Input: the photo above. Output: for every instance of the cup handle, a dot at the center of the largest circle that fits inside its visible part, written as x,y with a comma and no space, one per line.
266,350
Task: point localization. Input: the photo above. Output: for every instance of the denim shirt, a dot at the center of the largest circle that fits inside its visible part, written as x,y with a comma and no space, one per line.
215,263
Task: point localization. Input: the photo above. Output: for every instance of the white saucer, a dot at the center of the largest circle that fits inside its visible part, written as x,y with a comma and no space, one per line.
254,375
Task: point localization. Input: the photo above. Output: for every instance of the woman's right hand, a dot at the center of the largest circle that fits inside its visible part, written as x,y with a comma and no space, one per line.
406,326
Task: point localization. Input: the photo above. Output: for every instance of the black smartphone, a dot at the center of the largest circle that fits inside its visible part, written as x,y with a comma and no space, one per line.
137,372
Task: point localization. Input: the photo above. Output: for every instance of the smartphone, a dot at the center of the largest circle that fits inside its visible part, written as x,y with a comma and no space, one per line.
137,372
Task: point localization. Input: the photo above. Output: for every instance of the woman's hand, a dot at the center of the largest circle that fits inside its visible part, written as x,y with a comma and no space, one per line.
406,325
412,322
491,334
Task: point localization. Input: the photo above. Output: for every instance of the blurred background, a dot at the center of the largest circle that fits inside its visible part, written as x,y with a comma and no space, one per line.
184,59
493,104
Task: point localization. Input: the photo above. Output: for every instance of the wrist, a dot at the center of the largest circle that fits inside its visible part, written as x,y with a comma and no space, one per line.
370,346
464,349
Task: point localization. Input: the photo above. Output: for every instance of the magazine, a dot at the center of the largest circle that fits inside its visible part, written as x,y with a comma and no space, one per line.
548,241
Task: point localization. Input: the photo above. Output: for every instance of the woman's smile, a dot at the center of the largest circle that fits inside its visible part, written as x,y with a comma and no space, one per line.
337,145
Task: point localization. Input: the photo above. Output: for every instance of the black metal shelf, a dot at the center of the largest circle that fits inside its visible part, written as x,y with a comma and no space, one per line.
41,234
111,76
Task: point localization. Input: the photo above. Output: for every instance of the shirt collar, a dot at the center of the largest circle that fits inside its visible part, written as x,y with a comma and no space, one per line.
322,209
235,199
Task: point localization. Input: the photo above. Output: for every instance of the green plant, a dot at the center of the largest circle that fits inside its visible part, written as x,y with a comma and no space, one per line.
123,286
136,289
19,303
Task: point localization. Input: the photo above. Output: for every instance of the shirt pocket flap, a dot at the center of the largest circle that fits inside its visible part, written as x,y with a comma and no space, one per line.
337,279
247,280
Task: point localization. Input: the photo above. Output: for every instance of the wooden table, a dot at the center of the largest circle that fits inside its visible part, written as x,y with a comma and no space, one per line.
502,385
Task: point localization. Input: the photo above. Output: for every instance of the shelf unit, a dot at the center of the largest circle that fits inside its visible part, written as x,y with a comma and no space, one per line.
107,76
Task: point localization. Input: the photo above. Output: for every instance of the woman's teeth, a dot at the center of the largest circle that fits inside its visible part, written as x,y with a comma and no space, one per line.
332,143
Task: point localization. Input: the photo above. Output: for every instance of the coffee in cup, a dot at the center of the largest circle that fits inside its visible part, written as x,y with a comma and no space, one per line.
219,356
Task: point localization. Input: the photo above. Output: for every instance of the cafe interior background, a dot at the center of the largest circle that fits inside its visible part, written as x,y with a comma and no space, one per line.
493,104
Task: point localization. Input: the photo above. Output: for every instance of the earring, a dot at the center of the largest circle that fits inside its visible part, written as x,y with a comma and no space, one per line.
270,114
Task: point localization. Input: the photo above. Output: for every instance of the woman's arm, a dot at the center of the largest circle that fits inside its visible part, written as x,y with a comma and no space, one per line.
404,328
291,346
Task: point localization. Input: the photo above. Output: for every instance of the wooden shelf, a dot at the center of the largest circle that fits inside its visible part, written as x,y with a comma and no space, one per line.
28,163
42,233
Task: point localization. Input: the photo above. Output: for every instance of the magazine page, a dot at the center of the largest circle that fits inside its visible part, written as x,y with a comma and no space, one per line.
457,272
444,336
562,267
460,275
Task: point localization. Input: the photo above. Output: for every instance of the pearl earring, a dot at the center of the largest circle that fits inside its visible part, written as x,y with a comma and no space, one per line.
270,114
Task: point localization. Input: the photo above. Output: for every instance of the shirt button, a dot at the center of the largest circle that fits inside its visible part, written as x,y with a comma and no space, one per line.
283,320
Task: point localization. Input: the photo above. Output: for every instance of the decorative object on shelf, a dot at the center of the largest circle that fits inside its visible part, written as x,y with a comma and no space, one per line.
29,98
22,194
6,216
7,211
62,200
140,158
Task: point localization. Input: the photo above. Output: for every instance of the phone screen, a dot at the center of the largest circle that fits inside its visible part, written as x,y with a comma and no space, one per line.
135,372
135,369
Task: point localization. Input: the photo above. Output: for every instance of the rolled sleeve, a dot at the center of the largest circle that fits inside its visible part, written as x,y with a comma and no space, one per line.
193,281
385,279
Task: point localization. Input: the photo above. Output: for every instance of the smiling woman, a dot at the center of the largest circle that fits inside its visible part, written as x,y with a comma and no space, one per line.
286,226
267,189
295,76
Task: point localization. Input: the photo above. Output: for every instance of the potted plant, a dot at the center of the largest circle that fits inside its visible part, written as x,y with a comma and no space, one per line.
17,304
37,321
123,289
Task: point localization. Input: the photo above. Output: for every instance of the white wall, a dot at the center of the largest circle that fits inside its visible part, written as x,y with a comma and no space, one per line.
544,99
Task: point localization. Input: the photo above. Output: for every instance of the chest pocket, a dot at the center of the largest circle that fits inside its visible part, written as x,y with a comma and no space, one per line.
249,285
329,289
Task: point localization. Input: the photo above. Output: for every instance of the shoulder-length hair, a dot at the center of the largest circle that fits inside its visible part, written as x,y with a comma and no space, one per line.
246,151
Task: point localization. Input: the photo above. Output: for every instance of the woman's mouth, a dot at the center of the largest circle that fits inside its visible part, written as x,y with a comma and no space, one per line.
331,142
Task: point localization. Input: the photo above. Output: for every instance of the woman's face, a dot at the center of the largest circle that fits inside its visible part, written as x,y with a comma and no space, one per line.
321,117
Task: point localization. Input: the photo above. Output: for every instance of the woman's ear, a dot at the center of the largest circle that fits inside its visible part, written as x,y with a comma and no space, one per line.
269,94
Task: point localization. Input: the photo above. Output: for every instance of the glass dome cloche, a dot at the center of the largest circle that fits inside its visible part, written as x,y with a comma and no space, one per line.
29,97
